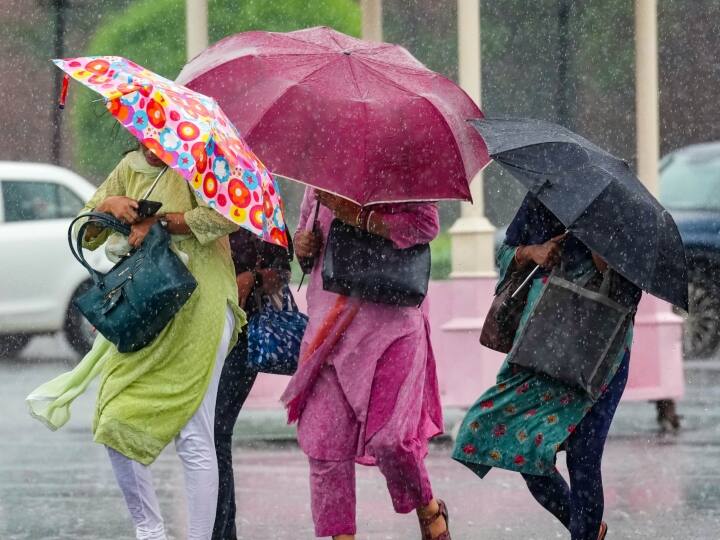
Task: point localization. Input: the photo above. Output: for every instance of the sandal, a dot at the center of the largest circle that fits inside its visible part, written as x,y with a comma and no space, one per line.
426,522
603,531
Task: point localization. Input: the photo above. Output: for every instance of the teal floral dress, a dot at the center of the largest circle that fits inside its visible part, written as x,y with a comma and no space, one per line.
520,423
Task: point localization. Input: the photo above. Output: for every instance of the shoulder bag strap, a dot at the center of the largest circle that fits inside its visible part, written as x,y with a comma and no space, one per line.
93,218
290,304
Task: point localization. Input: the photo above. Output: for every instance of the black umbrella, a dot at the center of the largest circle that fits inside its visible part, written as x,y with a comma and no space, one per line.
597,197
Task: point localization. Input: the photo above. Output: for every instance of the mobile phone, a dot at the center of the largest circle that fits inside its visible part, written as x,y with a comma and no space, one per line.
148,208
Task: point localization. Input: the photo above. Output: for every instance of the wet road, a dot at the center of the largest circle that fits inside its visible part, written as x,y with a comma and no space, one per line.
60,485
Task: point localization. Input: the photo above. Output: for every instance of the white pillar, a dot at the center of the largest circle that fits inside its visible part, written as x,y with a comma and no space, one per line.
646,93
196,27
472,235
372,27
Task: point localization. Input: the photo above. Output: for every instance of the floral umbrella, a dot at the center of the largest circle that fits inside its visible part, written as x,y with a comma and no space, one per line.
191,134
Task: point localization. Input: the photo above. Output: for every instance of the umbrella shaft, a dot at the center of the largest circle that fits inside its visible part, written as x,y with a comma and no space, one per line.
526,281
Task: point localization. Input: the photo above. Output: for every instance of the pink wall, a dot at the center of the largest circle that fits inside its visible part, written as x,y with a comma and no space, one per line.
466,369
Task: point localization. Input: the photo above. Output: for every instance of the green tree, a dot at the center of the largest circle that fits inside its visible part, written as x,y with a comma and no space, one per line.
152,33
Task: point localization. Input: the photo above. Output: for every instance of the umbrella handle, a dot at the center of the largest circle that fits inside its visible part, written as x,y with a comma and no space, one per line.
315,225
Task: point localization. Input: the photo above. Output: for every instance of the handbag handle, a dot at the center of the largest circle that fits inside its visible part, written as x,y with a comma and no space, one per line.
93,218
290,304
288,300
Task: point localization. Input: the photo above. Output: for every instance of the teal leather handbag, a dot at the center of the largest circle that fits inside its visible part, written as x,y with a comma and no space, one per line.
139,296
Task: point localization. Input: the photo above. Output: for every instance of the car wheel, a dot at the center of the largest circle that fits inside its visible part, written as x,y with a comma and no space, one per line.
12,344
79,333
701,333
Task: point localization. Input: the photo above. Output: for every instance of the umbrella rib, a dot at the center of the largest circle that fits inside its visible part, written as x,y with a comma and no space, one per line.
651,279
276,36
290,87
389,201
379,47
434,108
657,244
367,117
287,35
334,38
420,70
652,199
509,165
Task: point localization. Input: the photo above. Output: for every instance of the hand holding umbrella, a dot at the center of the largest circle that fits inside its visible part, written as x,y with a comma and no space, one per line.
189,132
343,209
545,255
598,198
307,244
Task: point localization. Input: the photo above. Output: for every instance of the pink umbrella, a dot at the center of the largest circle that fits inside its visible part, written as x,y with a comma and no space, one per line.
366,121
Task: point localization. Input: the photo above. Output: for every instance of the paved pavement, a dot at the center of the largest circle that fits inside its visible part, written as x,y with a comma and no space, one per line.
60,486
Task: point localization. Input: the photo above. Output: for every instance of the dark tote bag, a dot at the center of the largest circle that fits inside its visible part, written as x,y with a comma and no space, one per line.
364,265
572,335
139,296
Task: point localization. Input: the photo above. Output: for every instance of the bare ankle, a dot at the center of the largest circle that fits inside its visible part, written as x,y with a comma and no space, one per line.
430,509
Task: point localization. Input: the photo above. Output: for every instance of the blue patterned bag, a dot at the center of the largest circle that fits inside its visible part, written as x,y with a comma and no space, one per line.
275,334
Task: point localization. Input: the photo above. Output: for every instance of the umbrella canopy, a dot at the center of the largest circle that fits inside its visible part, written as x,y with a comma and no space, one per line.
366,121
597,197
191,134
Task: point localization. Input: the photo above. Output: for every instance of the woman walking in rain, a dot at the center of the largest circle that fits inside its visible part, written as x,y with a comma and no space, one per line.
167,390
366,389
261,269
526,418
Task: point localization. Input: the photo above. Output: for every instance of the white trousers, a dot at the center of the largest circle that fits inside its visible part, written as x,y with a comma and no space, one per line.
195,445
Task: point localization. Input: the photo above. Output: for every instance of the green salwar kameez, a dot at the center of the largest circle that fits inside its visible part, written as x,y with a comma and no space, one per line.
146,397
521,422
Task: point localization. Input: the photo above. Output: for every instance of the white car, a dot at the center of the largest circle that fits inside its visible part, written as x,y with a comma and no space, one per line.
38,274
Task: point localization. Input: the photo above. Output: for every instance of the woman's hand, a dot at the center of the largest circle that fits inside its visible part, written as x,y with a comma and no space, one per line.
139,231
245,283
546,255
123,208
343,209
307,244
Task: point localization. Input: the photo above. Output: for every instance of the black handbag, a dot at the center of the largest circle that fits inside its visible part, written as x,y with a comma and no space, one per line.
364,265
503,317
137,298
573,335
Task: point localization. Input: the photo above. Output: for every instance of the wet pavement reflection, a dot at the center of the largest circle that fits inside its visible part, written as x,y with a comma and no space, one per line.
60,485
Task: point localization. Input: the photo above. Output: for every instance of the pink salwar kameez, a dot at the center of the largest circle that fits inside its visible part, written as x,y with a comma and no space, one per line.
367,391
